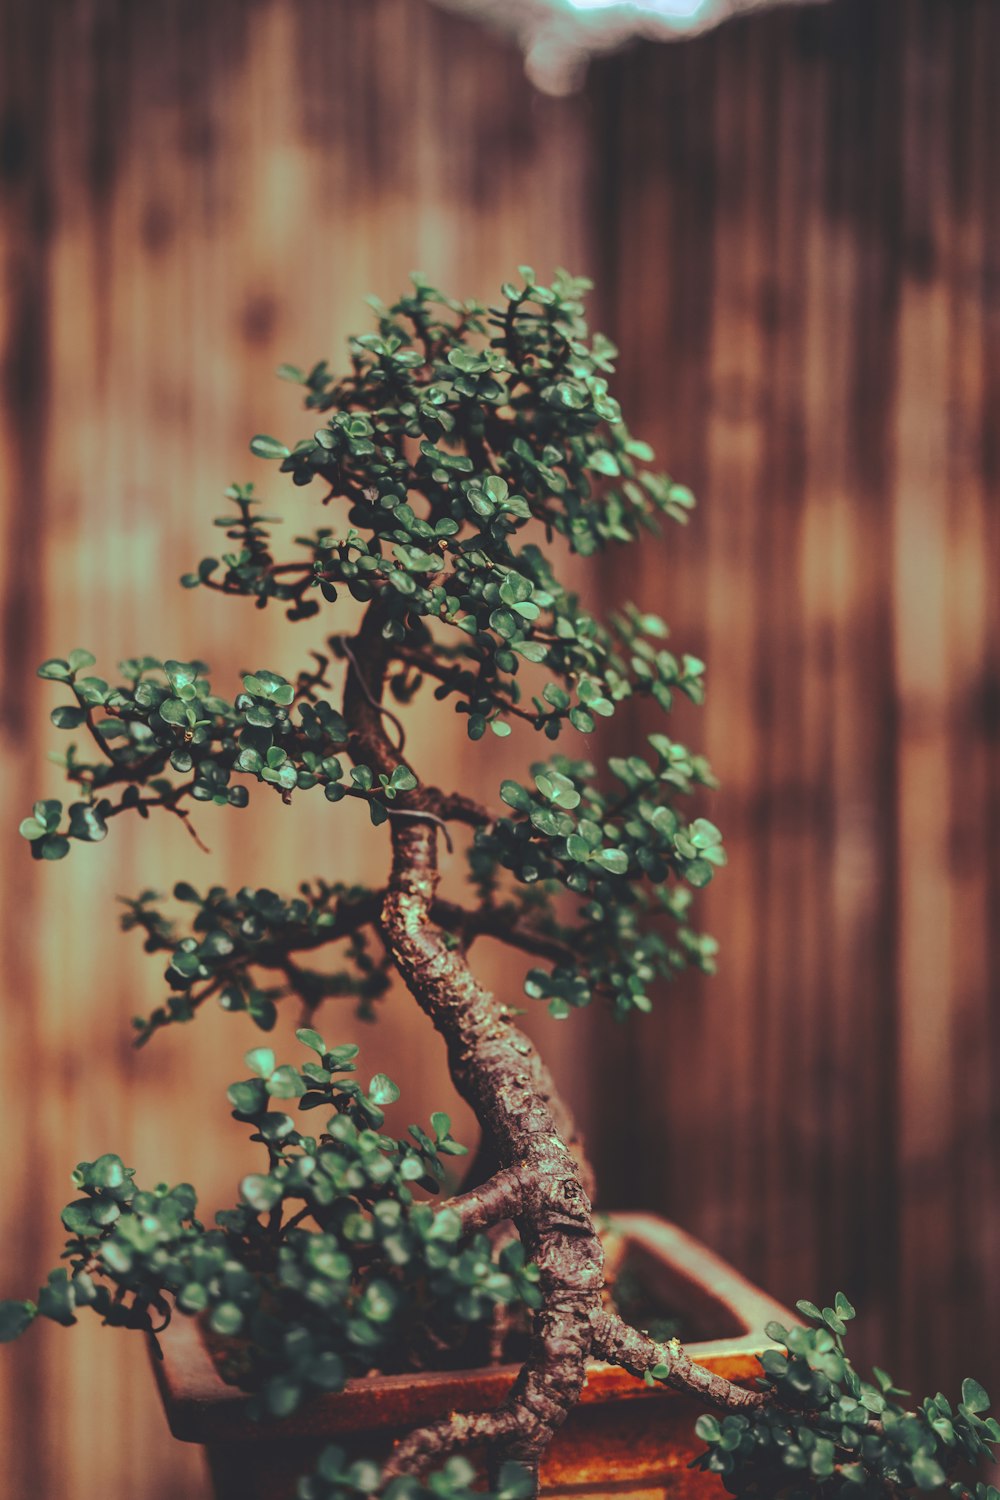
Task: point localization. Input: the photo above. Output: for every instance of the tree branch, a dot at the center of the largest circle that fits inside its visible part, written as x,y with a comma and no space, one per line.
486,921
636,1352
501,1197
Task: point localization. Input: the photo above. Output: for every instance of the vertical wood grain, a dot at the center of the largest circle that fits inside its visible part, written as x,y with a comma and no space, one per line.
804,242
796,226
193,195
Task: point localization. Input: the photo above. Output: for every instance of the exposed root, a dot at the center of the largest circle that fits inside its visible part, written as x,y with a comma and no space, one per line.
636,1352
484,1429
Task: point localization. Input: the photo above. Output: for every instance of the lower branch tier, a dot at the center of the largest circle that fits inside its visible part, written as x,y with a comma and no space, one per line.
332,1264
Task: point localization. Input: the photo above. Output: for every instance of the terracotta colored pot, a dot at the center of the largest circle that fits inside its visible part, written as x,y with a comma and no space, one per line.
623,1439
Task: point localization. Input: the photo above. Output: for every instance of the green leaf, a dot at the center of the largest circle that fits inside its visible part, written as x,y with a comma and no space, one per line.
68,716
260,1060
15,1317
531,650
705,835
927,1472
285,1083
268,447
173,711
262,1193
382,1090
833,1322
55,668
614,860
226,1319
708,1429
310,1038
842,1306
248,1097
48,814
77,1217
54,847
974,1396
282,1395
87,823
107,1171
516,796
79,659
557,789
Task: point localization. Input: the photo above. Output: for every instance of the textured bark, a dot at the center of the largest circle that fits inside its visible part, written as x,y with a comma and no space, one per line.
370,745
482,1207
542,1181
619,1344
497,1071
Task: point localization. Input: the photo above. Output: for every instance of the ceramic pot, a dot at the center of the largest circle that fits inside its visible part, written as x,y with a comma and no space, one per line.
623,1439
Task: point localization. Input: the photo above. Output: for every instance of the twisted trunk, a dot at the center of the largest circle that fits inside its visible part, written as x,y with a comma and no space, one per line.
539,1174
498,1072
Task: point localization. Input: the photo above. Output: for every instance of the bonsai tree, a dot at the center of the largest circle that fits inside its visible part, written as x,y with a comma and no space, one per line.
465,451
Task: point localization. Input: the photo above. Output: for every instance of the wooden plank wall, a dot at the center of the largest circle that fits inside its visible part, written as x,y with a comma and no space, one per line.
193,194
800,225
795,225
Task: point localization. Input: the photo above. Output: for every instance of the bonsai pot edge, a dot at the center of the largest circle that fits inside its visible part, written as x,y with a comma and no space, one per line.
623,1439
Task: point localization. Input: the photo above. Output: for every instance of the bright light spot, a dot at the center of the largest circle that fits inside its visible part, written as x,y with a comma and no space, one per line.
681,10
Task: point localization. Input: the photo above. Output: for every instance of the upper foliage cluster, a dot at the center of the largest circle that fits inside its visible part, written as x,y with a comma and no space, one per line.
459,426
458,429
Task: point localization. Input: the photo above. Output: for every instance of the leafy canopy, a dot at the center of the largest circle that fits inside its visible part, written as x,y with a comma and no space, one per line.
468,448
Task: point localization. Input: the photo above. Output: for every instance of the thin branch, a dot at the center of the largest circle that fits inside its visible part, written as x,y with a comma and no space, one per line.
501,1197
185,816
455,807
386,713
451,676
423,815
487,921
619,1344
462,1430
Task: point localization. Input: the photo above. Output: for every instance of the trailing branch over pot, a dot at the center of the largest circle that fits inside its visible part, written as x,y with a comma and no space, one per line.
463,441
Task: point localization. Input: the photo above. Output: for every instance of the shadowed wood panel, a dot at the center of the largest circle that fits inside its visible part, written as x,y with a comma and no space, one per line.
801,248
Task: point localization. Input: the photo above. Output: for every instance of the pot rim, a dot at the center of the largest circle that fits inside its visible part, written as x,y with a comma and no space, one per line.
201,1407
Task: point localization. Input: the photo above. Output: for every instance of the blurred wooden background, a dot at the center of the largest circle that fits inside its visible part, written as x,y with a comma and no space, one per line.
794,224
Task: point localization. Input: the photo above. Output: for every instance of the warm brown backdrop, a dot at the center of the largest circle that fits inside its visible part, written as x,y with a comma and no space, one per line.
795,224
